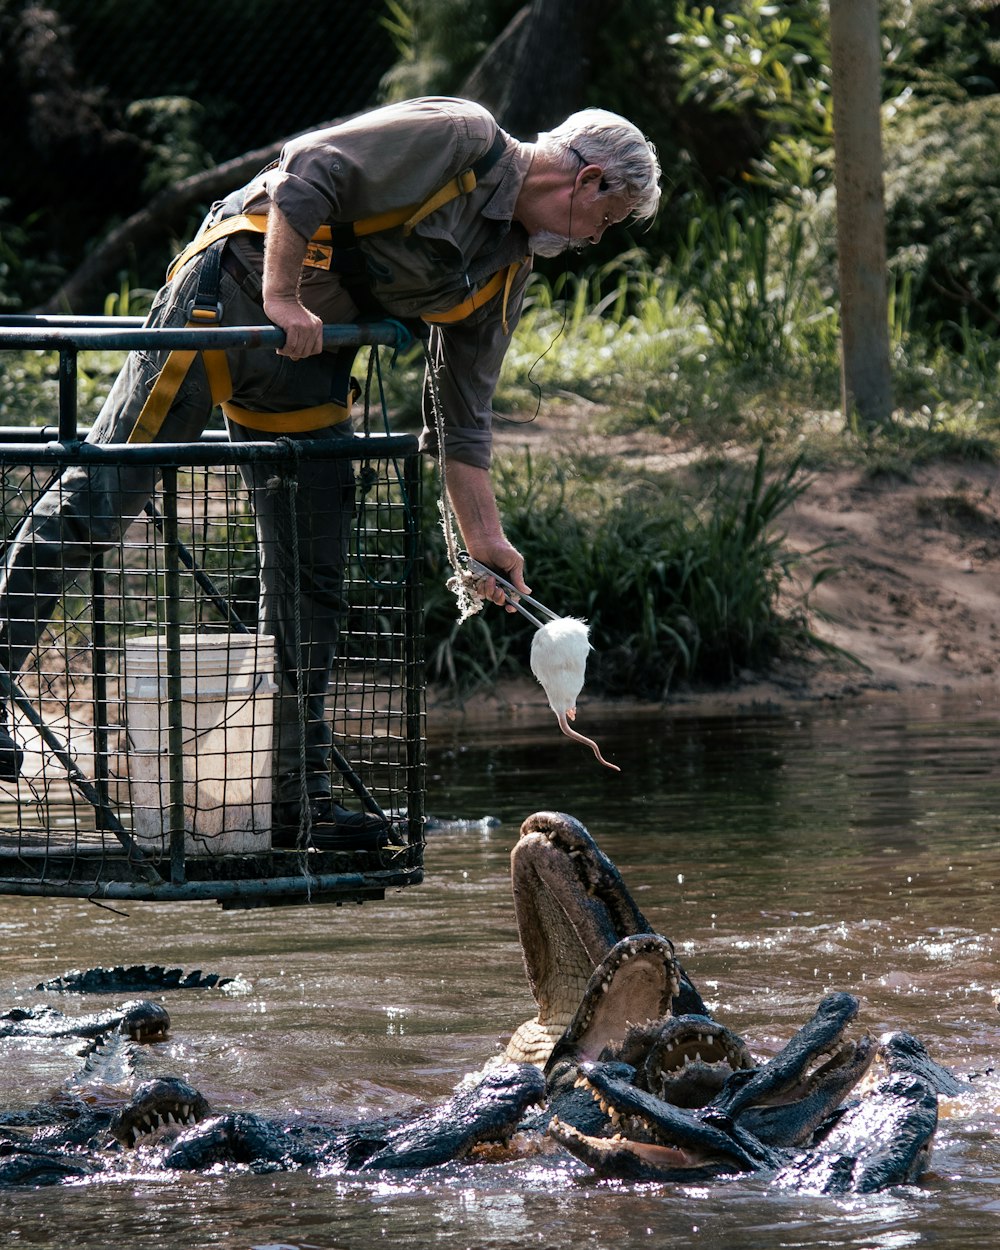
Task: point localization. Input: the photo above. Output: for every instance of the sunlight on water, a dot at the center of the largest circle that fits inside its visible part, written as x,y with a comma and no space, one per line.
787,855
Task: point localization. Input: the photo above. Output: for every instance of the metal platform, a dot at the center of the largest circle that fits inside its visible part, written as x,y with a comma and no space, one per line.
162,792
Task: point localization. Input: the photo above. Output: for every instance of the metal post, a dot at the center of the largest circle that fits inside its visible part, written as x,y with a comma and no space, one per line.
99,668
864,298
175,705
413,650
67,394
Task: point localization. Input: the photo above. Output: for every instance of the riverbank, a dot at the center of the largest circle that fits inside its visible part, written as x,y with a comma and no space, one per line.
915,599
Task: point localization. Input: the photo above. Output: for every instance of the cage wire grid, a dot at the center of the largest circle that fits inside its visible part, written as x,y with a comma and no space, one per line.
180,589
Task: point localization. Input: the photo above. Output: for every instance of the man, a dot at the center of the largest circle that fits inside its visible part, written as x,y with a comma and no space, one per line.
424,211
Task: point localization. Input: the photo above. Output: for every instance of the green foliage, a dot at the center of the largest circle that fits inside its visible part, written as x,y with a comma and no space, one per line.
749,294
942,206
771,62
29,389
772,59
24,272
941,49
741,299
438,42
673,588
170,127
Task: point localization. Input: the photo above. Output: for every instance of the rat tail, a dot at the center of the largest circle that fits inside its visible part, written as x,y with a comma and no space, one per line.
578,737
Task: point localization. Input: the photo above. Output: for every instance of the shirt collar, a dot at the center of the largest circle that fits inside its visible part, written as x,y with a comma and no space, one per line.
513,167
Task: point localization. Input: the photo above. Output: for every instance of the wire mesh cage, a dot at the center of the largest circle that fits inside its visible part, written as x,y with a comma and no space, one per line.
182,687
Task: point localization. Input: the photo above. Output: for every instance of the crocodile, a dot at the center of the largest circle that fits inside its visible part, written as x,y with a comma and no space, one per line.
684,1060
134,979
784,1101
881,1140
654,1140
140,1019
639,976
622,1039
78,1139
676,1063
488,1110
572,907
904,1053
109,1081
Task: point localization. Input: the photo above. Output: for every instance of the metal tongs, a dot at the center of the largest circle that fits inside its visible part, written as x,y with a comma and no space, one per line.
516,598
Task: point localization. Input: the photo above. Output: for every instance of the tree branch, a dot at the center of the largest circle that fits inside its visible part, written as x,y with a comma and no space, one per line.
87,286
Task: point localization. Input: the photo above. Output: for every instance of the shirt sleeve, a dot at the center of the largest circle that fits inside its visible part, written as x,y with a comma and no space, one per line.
379,161
466,359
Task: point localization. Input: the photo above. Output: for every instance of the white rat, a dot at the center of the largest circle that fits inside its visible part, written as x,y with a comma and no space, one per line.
559,653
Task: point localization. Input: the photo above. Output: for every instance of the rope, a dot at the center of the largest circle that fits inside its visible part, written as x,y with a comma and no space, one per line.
305,812
462,581
368,478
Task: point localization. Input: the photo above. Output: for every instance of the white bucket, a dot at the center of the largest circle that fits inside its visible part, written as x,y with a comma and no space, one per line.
227,689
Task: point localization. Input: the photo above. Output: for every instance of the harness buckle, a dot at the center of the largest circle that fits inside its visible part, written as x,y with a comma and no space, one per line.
204,313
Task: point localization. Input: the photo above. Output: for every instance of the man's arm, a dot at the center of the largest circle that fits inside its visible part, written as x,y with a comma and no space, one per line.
284,252
472,497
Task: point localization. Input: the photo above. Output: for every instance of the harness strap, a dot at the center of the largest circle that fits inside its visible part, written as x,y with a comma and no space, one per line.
168,382
503,280
297,422
205,308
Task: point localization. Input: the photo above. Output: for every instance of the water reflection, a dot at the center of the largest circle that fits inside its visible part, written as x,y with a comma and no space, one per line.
786,854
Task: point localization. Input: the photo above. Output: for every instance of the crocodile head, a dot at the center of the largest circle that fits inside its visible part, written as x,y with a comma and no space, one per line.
636,980
572,907
785,1100
684,1060
144,1021
166,1101
653,1140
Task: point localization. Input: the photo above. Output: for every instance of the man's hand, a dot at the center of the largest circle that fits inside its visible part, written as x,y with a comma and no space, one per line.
284,252
303,329
506,560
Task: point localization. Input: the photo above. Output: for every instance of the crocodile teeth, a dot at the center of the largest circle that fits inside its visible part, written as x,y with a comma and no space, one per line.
185,1111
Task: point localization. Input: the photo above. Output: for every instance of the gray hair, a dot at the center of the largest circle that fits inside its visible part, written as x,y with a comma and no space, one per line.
627,157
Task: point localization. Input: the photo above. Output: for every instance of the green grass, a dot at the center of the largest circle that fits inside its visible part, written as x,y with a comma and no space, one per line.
675,588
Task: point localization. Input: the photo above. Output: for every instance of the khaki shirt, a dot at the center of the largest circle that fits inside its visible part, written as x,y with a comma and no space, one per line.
394,157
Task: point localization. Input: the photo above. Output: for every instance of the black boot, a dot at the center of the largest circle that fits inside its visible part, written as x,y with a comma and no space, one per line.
331,827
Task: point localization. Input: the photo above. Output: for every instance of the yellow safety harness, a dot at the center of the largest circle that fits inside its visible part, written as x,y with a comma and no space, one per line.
320,253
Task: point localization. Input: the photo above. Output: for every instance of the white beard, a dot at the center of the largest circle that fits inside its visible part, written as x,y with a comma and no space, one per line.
546,243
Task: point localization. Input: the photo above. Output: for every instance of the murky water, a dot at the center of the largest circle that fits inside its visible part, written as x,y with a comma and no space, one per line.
840,847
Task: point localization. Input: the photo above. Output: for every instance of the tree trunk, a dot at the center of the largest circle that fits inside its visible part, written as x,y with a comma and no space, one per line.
866,379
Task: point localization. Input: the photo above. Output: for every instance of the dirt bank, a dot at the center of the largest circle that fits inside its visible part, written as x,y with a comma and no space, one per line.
916,598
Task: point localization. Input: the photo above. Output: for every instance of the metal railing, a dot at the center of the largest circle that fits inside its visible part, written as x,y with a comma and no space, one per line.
119,795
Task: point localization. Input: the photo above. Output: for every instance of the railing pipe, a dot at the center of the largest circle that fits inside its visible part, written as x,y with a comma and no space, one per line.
202,338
